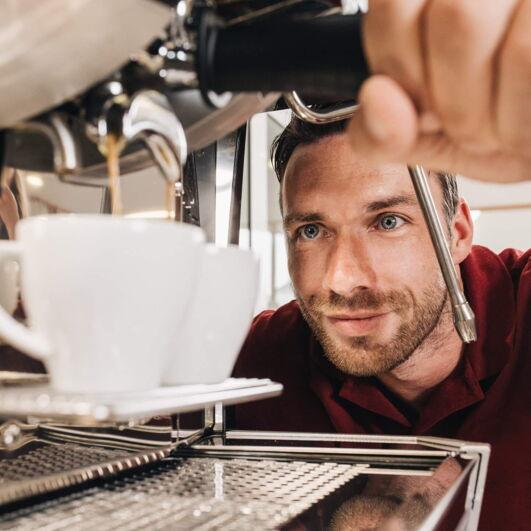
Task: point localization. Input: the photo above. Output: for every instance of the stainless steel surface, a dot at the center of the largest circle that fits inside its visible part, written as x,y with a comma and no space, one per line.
53,128
202,124
227,119
46,468
148,116
193,494
52,50
44,402
302,111
269,487
464,319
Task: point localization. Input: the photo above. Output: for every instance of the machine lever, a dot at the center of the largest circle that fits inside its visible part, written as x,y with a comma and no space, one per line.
464,319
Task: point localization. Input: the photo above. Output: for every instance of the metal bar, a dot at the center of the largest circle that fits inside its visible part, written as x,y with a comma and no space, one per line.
237,186
297,451
432,521
476,486
302,111
464,319
322,437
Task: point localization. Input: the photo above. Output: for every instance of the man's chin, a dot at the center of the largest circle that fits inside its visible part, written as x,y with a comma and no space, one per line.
364,356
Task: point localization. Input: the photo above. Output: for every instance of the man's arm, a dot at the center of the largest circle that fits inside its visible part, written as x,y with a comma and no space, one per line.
451,87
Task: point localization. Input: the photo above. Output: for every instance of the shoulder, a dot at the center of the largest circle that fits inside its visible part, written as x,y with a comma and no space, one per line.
277,340
518,263
508,266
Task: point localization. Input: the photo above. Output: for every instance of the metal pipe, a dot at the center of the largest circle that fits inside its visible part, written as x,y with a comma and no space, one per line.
302,111
464,319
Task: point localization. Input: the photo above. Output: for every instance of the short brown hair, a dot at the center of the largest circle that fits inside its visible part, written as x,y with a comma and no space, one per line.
302,133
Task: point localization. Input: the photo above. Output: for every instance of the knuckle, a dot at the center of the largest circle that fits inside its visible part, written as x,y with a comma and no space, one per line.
458,17
517,53
383,7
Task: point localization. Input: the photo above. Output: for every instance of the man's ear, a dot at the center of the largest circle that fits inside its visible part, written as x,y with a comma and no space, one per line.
462,232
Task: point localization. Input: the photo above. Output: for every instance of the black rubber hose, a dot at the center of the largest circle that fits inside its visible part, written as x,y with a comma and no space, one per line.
322,55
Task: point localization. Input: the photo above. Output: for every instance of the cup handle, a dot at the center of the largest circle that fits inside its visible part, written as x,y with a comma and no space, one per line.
11,330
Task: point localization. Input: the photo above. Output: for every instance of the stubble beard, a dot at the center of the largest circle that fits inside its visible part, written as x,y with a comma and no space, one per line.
363,356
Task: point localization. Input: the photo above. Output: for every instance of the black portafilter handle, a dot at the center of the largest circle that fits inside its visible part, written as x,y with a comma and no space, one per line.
321,56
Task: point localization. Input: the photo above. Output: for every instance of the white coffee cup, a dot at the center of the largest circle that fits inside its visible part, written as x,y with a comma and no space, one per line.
208,342
102,296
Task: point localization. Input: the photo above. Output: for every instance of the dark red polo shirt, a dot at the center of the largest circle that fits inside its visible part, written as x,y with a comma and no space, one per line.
487,398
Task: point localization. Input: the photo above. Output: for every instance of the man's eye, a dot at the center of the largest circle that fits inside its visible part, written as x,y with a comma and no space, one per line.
390,222
309,232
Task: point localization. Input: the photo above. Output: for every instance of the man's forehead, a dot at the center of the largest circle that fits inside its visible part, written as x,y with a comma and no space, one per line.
329,165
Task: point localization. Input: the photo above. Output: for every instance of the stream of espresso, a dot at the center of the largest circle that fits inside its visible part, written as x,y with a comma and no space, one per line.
113,168
112,149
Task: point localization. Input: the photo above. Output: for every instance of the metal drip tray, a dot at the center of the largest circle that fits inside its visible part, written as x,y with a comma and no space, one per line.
53,459
124,408
193,493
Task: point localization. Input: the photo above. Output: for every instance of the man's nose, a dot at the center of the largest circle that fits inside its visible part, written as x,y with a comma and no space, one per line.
349,266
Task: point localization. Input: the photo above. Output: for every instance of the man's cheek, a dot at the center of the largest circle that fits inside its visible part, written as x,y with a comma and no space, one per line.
306,272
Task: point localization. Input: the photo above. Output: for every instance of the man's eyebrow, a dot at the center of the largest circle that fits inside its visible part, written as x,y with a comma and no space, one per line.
299,217
397,200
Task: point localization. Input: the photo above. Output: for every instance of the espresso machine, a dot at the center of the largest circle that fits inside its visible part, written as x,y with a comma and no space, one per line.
169,78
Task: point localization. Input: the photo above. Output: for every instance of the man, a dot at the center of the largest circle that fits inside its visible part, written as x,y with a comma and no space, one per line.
369,345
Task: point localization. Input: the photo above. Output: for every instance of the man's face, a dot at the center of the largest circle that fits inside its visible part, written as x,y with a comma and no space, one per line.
360,256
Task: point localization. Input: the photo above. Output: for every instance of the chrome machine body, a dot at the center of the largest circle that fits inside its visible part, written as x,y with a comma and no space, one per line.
169,78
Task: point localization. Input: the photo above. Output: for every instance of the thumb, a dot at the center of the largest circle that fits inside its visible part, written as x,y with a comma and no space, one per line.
385,126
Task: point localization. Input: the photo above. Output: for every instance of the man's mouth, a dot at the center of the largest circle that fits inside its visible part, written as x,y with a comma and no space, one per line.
357,323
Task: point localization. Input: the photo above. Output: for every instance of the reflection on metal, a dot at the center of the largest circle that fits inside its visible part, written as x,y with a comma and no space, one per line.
57,132
237,186
225,166
191,209
205,165
464,319
305,113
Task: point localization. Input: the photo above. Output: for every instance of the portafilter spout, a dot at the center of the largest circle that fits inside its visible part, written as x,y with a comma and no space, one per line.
147,116
55,129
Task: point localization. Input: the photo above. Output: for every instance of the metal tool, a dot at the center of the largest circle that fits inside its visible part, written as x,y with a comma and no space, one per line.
464,319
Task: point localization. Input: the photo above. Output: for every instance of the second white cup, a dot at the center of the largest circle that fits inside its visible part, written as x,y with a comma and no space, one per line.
207,344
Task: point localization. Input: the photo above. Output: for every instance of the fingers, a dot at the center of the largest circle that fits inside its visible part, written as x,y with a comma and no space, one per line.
438,152
386,129
392,41
385,126
462,39
514,88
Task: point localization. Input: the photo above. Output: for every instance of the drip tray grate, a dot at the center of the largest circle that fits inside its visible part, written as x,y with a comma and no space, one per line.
192,493
53,459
